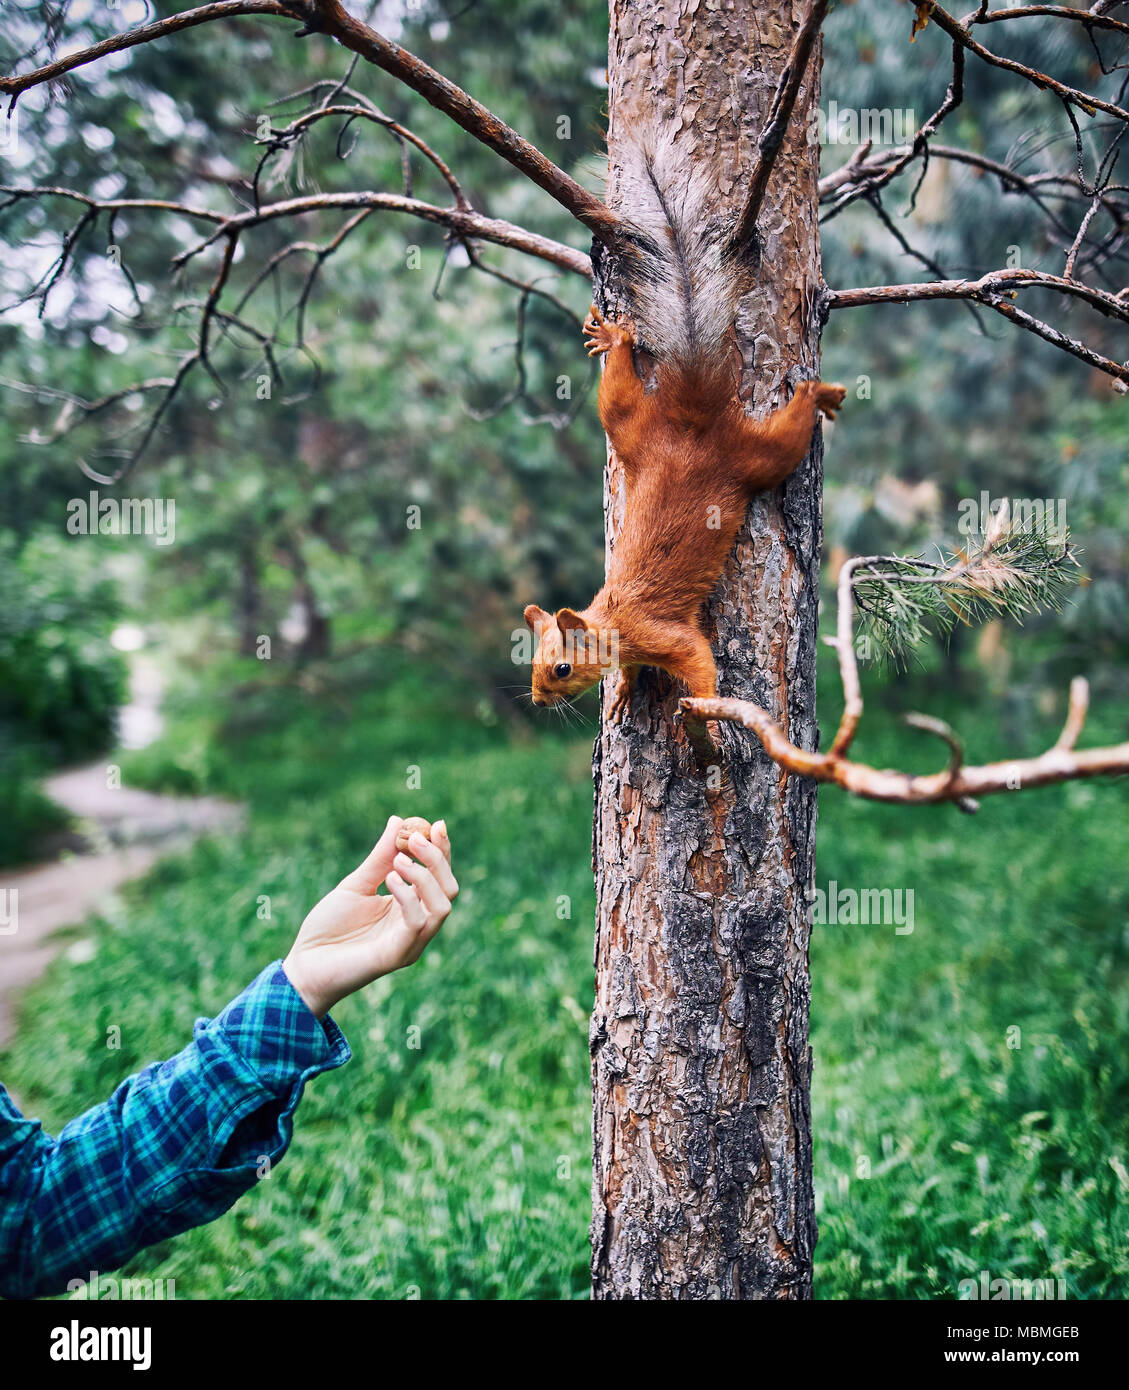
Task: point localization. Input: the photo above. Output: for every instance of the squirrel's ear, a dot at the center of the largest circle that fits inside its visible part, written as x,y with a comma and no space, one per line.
568,619
535,617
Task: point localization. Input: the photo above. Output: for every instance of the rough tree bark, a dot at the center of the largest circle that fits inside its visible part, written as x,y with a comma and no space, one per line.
701,1063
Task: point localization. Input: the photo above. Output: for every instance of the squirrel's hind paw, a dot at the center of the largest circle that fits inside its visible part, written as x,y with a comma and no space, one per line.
829,398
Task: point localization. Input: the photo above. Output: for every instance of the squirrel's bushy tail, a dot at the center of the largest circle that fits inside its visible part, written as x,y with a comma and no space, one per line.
684,282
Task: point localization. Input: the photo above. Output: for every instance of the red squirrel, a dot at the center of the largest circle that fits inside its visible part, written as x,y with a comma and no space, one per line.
691,457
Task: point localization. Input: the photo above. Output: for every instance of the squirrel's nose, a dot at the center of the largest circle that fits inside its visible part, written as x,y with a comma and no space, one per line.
537,700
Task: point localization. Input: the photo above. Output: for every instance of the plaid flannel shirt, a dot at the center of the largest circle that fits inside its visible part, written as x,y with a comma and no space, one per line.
172,1148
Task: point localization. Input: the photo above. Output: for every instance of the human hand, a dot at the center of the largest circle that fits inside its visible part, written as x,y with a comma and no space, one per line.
355,935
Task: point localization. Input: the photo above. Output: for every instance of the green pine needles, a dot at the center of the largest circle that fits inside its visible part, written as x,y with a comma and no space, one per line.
1012,571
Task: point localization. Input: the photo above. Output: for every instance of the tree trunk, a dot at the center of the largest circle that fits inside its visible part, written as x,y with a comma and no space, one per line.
314,643
248,600
701,1063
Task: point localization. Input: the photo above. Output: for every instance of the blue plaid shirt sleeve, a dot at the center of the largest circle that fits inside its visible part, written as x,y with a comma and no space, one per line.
173,1147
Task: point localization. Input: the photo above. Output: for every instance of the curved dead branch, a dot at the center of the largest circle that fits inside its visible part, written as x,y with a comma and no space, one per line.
1091,244
1099,251
463,222
961,34
330,17
464,226
329,100
957,783
961,785
1089,18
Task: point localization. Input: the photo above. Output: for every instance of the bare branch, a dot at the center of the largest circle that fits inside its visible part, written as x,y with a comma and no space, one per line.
1013,278
463,225
844,645
877,177
1072,254
15,86
74,406
772,137
1089,18
863,171
169,395
996,290
519,392
850,172
363,109
330,17
465,222
961,35
1076,713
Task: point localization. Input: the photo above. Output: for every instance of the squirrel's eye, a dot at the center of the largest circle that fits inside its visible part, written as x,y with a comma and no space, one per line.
561,670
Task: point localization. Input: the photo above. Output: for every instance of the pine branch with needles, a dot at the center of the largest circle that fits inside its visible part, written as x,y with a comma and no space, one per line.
1011,571
1015,570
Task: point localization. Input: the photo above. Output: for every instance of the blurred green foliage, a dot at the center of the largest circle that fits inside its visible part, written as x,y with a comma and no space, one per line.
60,681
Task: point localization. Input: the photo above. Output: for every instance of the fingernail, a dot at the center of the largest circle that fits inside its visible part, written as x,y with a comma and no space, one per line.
403,861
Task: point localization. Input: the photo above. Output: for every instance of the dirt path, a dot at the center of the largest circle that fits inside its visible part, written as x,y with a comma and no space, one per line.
125,831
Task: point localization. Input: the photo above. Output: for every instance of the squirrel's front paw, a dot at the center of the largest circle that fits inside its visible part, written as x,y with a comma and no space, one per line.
619,706
601,335
829,399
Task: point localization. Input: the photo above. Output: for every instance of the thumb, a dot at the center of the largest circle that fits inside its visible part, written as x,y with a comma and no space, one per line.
373,869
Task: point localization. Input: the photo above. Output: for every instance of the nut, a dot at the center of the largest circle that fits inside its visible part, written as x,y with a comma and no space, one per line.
408,829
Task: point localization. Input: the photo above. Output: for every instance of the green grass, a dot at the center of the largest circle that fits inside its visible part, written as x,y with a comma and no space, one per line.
971,1085
461,1168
